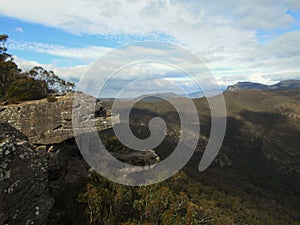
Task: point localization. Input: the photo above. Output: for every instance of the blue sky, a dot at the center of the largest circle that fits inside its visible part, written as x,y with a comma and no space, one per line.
238,41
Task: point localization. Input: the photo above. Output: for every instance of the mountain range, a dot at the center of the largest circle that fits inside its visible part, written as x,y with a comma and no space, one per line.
282,85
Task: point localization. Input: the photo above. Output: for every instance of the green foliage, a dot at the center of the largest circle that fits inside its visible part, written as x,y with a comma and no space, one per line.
54,83
211,200
179,200
11,79
3,39
27,89
93,200
106,202
160,205
8,69
51,99
110,203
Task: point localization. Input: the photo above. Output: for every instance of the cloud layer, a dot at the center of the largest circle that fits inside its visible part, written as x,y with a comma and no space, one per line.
225,34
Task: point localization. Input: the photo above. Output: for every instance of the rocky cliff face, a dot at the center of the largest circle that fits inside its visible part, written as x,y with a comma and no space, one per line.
47,122
38,152
24,197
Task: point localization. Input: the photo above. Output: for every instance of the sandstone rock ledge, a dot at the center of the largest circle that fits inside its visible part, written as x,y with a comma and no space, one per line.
46,123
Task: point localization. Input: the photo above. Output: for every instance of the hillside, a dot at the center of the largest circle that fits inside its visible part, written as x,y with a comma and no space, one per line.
259,160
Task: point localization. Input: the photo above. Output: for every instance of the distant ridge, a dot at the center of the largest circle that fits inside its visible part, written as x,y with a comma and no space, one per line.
282,85
158,97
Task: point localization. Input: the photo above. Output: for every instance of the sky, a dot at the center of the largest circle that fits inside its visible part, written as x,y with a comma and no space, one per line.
254,41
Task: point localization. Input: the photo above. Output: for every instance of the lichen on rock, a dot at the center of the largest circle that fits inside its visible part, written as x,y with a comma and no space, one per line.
23,183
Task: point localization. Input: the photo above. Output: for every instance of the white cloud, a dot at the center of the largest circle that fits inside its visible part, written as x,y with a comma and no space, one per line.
286,45
259,66
87,53
293,4
198,25
209,21
19,30
25,65
263,14
68,73
221,32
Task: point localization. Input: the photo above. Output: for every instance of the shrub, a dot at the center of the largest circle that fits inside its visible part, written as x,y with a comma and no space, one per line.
27,89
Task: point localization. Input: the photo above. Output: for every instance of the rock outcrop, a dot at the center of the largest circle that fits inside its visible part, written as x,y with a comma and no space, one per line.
35,155
46,122
24,197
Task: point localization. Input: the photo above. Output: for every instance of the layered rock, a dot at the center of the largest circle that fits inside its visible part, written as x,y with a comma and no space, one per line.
24,197
46,122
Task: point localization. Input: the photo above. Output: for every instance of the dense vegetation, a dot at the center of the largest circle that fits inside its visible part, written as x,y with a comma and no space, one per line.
204,198
37,83
255,178
179,200
110,203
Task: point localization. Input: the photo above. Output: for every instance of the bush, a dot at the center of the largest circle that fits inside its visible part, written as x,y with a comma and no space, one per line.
27,89
51,99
